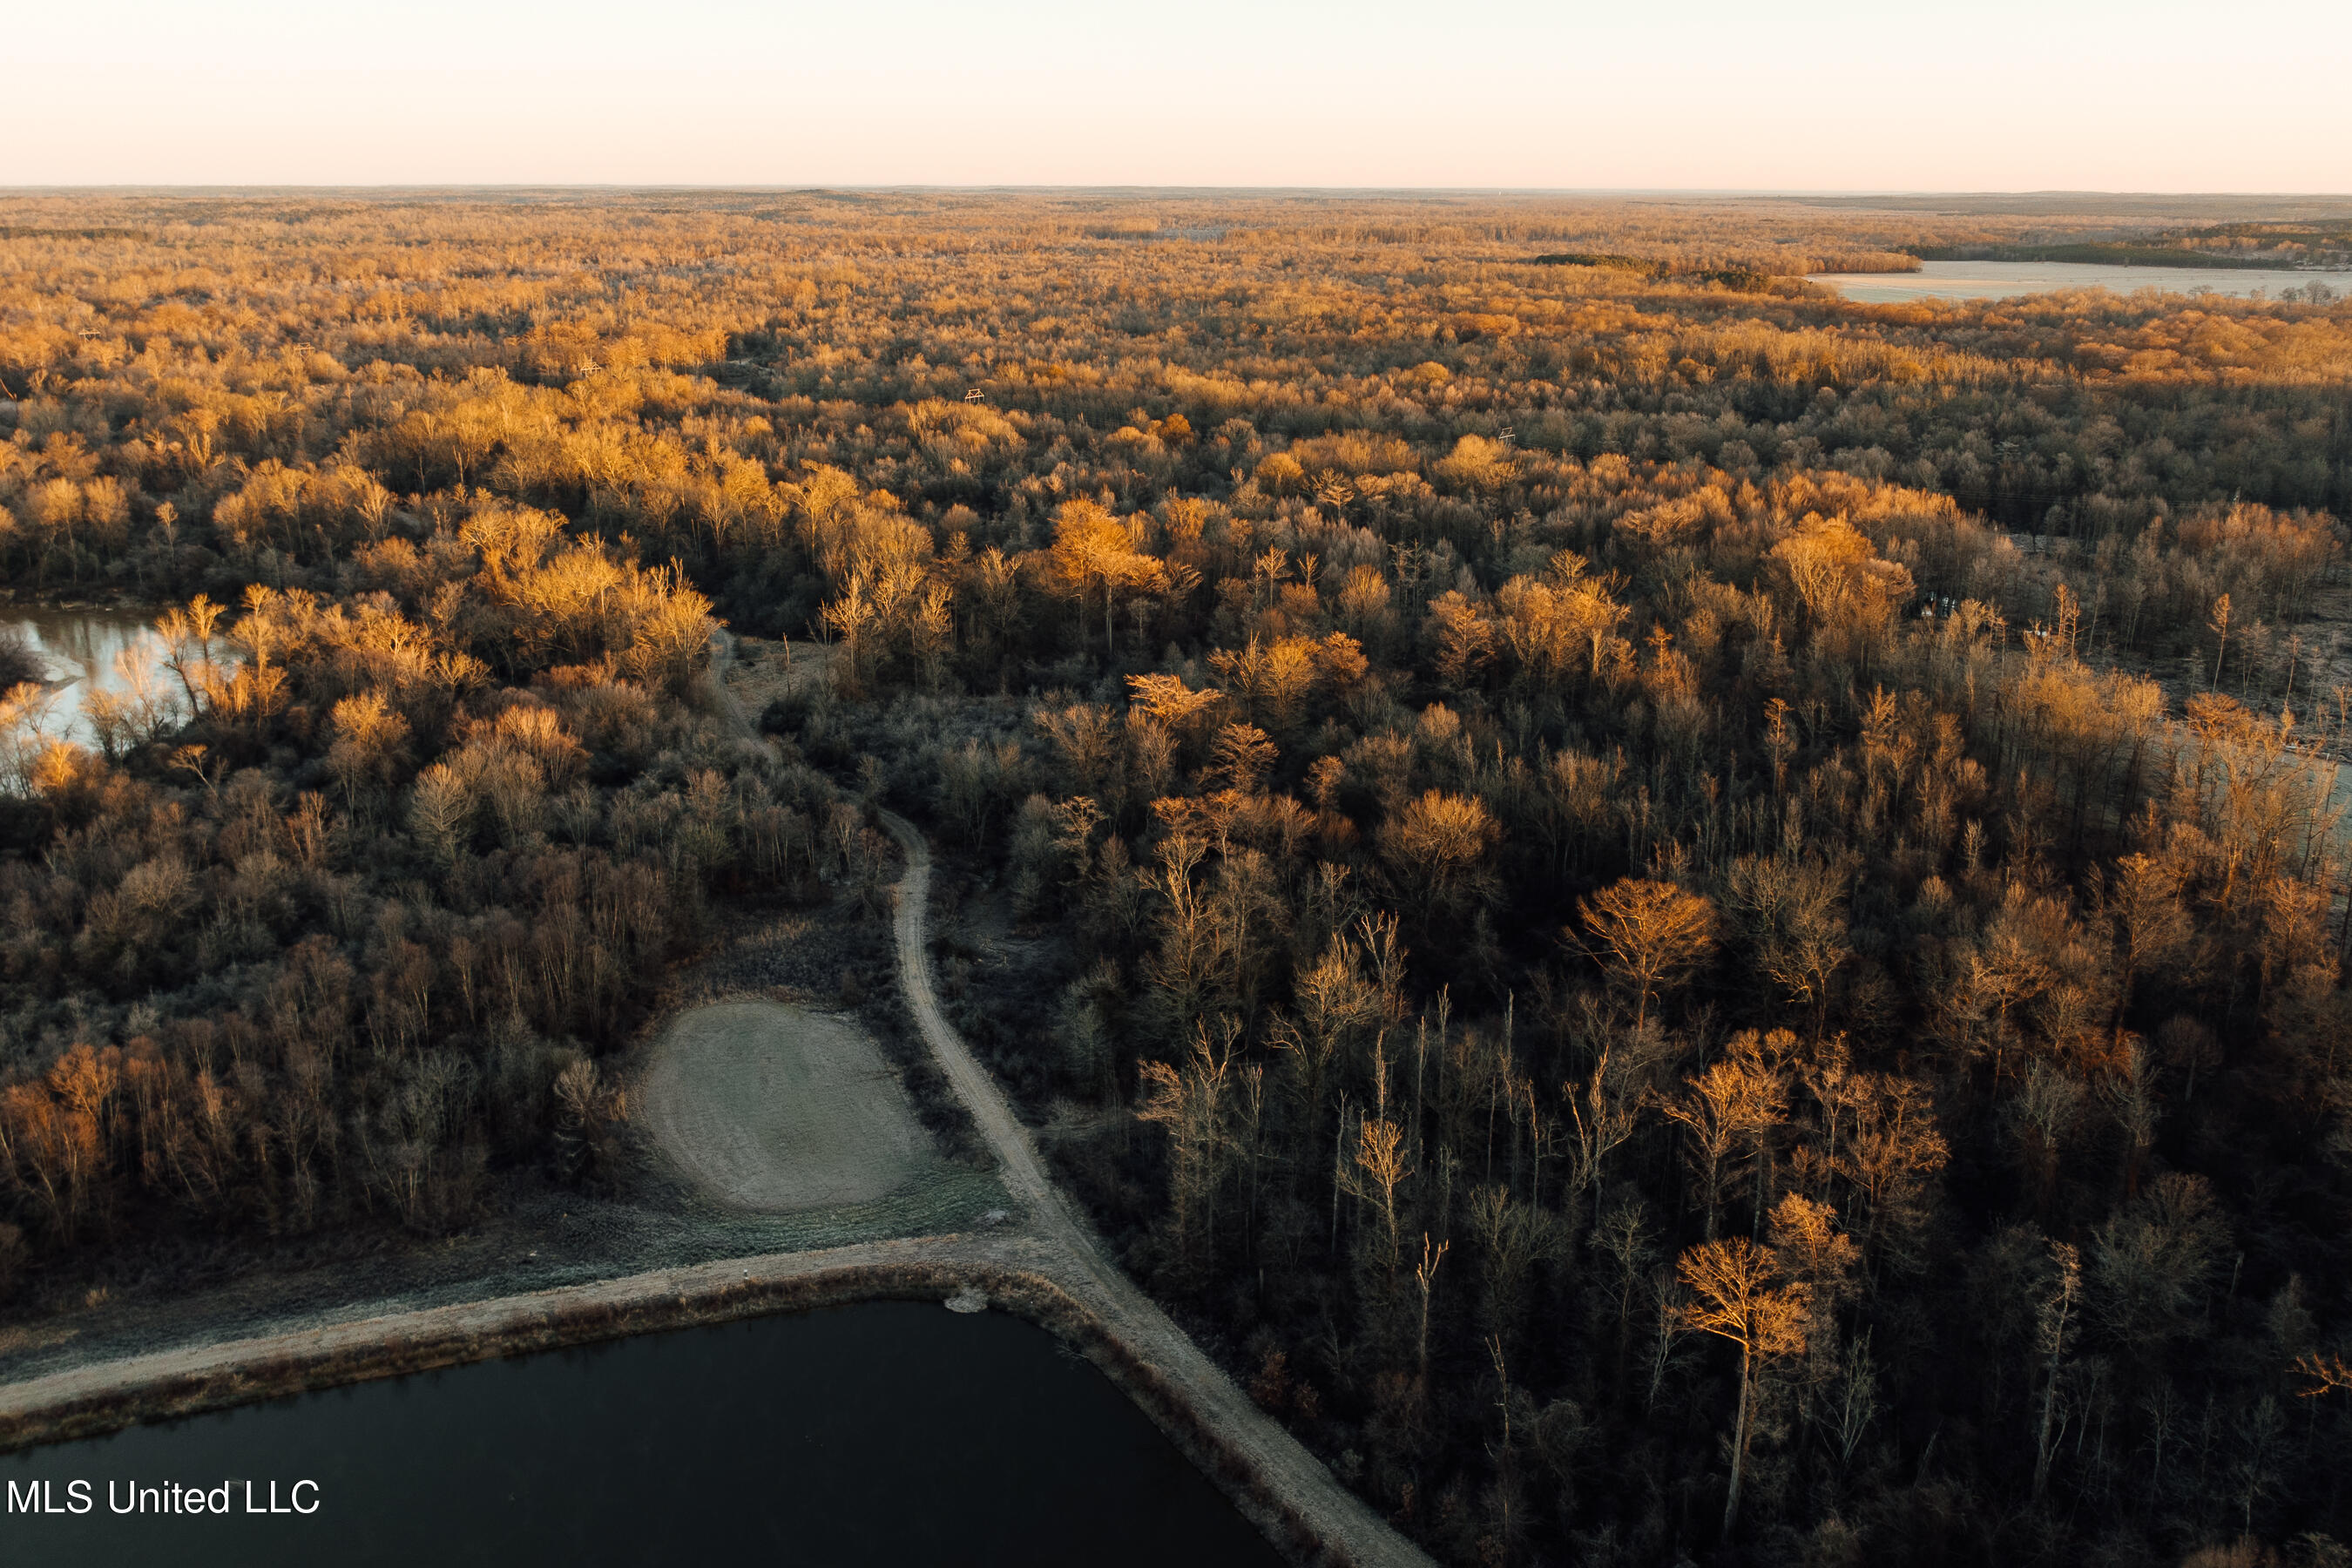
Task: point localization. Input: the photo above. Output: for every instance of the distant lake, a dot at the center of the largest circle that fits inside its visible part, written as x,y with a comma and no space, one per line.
2005,279
890,1433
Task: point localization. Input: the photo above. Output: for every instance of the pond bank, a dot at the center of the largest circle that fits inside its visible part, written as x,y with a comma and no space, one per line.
862,1435
1011,1271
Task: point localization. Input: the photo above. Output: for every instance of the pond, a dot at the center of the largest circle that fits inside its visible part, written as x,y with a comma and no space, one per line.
889,1433
2006,279
88,651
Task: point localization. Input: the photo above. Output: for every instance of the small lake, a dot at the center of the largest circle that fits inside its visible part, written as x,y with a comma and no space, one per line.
2006,279
891,1434
86,651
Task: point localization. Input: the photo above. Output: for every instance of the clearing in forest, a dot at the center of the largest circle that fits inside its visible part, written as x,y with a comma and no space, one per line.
774,1108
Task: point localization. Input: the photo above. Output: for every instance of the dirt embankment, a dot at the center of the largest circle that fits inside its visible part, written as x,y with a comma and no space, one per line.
1009,1272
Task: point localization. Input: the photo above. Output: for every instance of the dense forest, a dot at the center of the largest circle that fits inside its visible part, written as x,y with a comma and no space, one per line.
1685,919
2323,243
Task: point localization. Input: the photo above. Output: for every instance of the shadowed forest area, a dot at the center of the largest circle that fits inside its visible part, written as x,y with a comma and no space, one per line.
1687,920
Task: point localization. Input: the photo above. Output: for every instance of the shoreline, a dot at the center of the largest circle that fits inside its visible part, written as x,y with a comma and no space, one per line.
1015,1275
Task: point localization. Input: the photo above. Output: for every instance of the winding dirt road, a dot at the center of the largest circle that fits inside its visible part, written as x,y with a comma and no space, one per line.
1336,1515
1076,1258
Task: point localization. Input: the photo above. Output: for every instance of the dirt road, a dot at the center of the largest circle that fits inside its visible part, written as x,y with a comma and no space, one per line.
1336,1514
1051,1243
1083,1268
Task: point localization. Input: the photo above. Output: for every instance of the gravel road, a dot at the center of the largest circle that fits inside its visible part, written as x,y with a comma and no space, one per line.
1088,1272
1076,1258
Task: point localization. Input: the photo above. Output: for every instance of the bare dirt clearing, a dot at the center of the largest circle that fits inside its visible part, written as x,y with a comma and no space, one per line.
774,1107
757,671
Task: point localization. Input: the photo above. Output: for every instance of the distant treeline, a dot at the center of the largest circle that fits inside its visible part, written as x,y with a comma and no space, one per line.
2323,243
2323,235
32,231
2097,253
1740,279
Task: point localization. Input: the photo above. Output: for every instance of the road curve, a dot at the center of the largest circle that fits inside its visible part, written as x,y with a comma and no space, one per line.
1338,1517
1075,1258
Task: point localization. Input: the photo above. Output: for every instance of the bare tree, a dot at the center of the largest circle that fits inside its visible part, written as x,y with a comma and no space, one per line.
1647,935
1734,1298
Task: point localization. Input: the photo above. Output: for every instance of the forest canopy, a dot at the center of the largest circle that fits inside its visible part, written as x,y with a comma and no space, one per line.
1676,914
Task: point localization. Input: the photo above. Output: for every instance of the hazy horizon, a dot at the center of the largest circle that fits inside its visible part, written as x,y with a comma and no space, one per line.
922,187
1832,96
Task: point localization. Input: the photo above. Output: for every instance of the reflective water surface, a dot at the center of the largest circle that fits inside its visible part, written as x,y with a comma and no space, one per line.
891,1433
2006,279
115,652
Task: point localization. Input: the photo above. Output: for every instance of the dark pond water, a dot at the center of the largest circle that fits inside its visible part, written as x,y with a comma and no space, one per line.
893,1433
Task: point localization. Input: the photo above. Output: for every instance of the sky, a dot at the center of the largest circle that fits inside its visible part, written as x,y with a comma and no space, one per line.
1815,95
